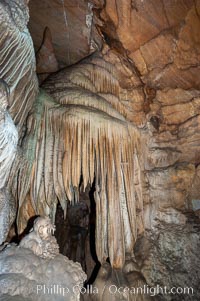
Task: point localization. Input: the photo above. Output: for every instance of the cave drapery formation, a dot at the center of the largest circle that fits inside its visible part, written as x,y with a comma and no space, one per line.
123,114
17,59
72,134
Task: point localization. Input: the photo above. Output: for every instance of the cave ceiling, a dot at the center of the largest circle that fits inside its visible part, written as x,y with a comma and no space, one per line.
160,38
108,91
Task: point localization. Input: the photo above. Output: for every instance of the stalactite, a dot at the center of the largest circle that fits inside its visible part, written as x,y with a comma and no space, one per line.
72,142
78,134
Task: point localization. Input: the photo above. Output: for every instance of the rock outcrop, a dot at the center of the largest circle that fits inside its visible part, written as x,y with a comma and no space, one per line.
67,35
143,87
17,59
27,276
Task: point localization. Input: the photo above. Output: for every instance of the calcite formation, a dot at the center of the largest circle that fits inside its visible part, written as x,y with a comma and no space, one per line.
8,211
125,119
26,276
18,89
17,58
41,240
63,128
8,142
8,135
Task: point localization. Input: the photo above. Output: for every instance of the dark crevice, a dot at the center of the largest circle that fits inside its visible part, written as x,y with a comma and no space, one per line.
92,235
76,233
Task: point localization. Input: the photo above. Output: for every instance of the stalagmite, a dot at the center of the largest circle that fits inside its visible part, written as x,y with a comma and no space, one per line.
36,270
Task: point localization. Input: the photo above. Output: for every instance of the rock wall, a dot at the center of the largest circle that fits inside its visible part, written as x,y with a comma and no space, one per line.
67,35
147,76
27,276
17,59
161,40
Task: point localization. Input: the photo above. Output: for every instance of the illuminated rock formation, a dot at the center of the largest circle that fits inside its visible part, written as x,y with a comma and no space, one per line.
46,62
17,58
33,272
41,240
125,121
19,84
8,142
77,133
61,15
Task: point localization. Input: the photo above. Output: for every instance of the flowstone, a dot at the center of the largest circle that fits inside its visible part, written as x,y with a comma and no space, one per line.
28,275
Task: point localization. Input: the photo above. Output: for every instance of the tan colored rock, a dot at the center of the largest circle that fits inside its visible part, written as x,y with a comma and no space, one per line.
70,24
158,52
176,11
45,58
179,113
146,80
188,46
163,44
168,187
139,61
173,77
176,96
134,15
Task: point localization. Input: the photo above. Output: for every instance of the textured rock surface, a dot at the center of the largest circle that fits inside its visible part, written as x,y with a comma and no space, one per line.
18,90
96,151
7,213
169,256
160,37
28,277
45,57
8,149
17,58
71,25
149,78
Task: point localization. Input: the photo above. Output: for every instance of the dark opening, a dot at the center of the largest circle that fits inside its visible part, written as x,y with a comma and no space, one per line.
76,233
92,235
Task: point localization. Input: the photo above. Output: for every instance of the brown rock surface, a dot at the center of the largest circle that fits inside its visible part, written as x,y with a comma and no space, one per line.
149,79
71,25
160,37
45,57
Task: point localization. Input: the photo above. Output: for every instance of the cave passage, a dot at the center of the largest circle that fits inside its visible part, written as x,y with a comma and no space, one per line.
76,233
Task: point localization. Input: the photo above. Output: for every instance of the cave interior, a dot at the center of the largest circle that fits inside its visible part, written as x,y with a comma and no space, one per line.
100,132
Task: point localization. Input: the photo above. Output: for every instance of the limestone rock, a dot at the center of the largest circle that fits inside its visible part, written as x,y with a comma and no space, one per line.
45,57
7,213
188,46
67,35
172,260
17,58
165,52
145,79
29,277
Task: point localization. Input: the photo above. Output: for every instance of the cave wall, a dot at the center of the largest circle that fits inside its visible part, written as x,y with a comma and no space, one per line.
146,75
158,42
59,17
17,59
